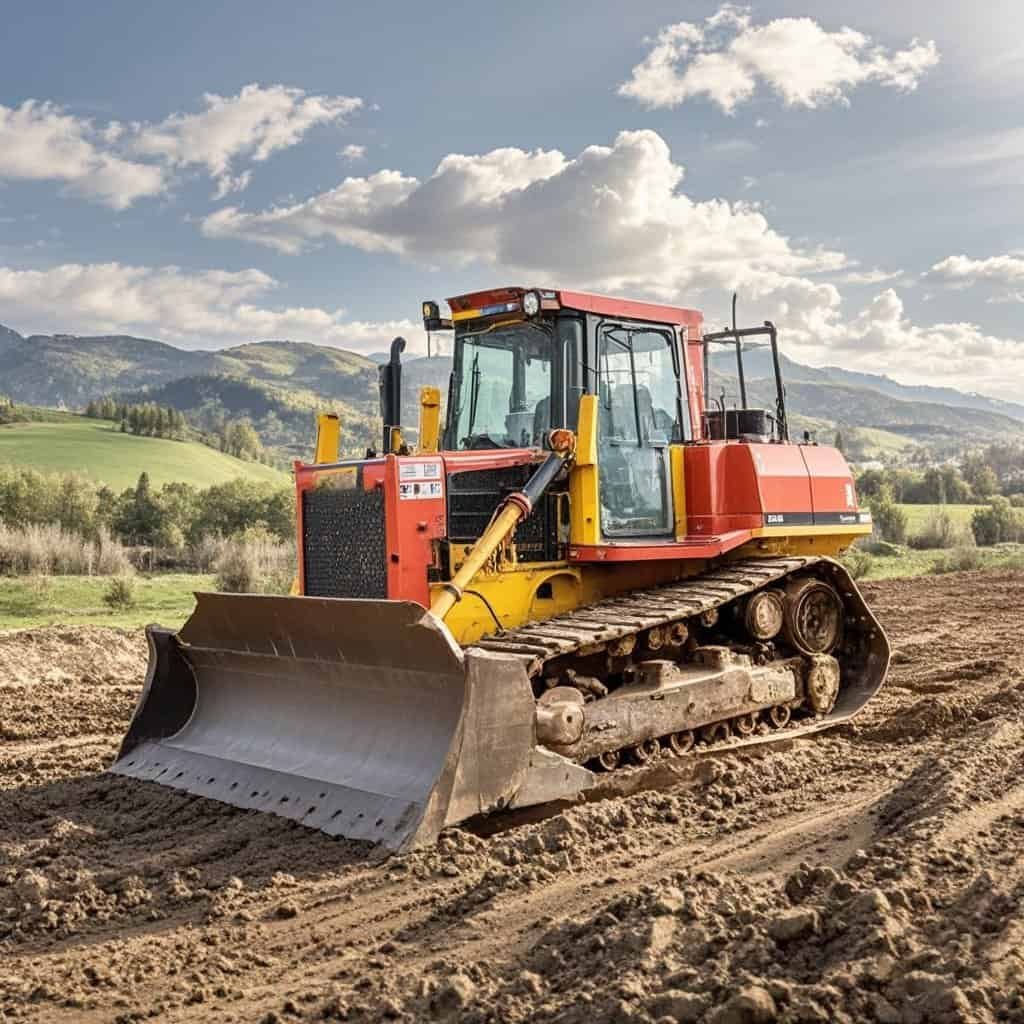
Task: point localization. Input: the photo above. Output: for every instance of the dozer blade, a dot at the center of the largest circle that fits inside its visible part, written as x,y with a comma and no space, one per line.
360,718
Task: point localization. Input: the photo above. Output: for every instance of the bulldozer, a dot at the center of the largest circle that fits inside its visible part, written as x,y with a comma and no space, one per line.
590,565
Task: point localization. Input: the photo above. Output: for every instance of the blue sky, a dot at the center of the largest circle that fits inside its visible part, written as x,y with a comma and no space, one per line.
210,174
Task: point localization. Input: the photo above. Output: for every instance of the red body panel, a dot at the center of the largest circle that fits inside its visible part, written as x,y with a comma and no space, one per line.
831,483
782,478
722,492
415,511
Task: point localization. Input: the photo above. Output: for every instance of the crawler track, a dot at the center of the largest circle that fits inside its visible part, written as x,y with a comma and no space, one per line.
617,624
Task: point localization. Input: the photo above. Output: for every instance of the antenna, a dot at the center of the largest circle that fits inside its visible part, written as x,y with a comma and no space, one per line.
739,356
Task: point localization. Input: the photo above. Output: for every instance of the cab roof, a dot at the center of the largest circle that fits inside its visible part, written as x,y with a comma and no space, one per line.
495,301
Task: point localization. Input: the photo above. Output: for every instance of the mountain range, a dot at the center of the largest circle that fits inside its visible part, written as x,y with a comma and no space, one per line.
281,384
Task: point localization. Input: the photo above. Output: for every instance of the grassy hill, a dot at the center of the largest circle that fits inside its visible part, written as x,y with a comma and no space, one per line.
97,449
280,385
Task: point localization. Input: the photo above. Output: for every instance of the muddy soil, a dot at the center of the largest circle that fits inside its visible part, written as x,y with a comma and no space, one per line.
875,873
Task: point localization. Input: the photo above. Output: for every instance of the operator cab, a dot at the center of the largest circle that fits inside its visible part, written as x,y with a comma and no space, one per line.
523,359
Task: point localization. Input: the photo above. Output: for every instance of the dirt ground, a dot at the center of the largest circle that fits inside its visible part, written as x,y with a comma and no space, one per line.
875,873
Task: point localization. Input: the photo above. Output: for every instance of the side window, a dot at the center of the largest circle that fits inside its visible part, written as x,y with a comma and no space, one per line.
639,416
639,387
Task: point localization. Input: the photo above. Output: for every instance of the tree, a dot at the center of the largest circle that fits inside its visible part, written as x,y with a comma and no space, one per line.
979,474
840,442
986,483
997,523
139,517
889,519
955,486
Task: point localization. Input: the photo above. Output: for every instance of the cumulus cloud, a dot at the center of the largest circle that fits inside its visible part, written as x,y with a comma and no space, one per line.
353,152
117,163
612,218
254,124
42,142
883,339
616,219
190,307
1004,273
727,57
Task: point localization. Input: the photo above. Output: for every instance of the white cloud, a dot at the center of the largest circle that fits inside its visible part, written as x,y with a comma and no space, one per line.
1005,273
193,308
42,142
728,56
870,276
352,153
881,338
612,218
117,164
255,123
615,219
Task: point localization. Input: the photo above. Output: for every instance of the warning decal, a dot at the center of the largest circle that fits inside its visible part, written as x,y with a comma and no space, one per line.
419,480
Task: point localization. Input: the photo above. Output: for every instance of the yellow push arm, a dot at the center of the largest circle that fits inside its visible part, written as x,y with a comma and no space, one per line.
328,437
430,419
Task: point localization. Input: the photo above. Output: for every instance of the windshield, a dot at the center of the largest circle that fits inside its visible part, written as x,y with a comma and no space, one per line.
503,386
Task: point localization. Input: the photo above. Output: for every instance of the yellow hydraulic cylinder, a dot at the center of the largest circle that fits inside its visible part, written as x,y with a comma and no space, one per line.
430,419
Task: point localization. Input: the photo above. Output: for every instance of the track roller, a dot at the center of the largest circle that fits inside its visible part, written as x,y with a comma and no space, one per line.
745,725
681,742
779,715
609,760
646,751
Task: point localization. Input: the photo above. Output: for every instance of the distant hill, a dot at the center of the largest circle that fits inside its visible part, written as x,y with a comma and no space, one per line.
99,450
757,363
281,385
8,338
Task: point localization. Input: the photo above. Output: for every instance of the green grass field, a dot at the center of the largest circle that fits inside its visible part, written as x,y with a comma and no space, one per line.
99,450
909,562
918,515
78,600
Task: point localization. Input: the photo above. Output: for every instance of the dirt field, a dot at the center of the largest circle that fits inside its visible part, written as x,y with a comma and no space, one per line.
873,874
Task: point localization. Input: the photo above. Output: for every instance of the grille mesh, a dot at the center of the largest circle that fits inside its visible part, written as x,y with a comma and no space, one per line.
343,543
473,495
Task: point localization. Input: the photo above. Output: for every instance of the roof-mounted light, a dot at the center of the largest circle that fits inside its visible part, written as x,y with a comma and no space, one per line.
531,303
432,319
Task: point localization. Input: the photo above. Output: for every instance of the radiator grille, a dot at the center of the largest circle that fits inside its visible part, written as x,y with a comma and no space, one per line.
474,495
343,543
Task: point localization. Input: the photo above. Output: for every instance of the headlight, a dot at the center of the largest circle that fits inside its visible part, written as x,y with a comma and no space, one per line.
531,303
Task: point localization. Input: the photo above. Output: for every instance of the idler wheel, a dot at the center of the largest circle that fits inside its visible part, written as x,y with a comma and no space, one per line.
646,751
609,760
681,742
745,725
717,733
813,622
779,715
765,614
